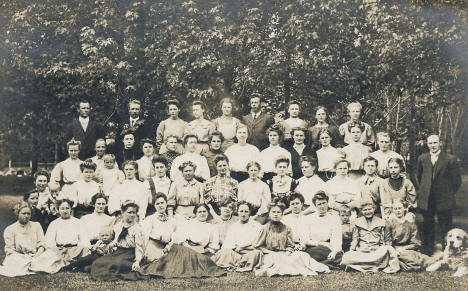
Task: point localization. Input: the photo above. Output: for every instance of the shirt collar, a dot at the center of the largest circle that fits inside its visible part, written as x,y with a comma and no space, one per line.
435,154
82,119
375,222
190,183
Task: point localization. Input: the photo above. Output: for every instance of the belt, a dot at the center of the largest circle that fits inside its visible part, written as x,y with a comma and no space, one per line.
66,245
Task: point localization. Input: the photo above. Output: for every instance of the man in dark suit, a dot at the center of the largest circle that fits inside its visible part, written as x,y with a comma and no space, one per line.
85,130
298,149
257,123
438,179
136,124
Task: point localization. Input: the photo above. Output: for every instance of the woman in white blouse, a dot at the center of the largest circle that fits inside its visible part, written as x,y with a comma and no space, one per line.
238,252
66,241
95,221
24,240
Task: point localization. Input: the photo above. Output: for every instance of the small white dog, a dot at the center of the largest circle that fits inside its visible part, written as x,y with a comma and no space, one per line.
455,255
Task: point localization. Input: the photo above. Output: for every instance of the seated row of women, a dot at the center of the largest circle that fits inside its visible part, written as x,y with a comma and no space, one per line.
162,246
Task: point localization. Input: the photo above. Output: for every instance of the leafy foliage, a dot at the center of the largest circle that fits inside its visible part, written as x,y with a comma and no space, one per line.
406,64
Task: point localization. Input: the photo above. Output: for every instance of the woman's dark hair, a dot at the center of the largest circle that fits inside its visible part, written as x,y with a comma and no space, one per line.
88,164
310,159
282,159
160,160
220,157
187,164
26,195
188,136
325,131
146,140
370,159
295,196
128,204
218,134
61,201
198,102
195,209
249,205
159,195
98,196
276,128
42,173
173,102
399,162
130,162
319,195
276,202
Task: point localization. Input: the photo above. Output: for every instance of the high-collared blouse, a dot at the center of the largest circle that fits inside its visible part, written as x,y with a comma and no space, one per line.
158,228
270,155
308,186
24,239
218,189
129,190
255,192
325,228
201,128
239,156
133,238
275,237
67,171
94,222
201,233
242,234
69,231
185,193
355,153
368,237
298,224
81,192
369,186
169,127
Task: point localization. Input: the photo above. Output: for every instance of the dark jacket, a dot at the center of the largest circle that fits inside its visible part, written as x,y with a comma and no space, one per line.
257,129
439,182
295,157
88,138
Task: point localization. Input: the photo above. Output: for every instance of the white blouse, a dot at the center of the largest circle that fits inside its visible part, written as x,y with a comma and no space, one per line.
94,222
241,234
308,186
203,233
66,231
145,168
239,156
129,190
255,192
270,155
325,228
81,192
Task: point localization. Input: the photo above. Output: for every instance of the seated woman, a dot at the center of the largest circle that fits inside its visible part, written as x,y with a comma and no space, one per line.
130,189
129,241
199,234
402,234
68,171
368,252
343,190
185,194
165,258
82,191
37,215
66,240
242,153
256,192
237,252
221,187
280,256
282,185
397,187
24,241
297,220
225,219
95,221
323,241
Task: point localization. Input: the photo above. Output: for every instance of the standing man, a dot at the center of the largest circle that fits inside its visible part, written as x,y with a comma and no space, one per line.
438,179
257,123
85,130
136,124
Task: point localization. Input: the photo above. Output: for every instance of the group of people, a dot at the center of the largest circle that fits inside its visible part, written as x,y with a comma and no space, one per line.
275,197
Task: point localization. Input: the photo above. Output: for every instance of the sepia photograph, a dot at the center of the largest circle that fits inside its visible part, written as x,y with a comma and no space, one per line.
234,145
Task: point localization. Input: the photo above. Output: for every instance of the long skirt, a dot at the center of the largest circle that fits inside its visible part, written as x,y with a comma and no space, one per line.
384,258
182,262
412,260
320,254
245,262
115,266
54,259
296,263
16,264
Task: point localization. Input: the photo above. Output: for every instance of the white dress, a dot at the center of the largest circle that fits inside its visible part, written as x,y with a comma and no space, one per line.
94,222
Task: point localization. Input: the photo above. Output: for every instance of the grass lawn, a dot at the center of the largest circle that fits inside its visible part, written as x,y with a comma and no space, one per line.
337,280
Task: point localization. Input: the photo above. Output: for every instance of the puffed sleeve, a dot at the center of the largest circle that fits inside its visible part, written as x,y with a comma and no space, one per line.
39,234
160,135
9,237
230,240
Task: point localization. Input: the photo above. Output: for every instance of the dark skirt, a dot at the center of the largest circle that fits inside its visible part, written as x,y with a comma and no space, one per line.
116,266
320,254
182,262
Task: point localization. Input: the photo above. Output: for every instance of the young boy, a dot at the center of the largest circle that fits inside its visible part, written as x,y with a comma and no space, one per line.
145,167
370,182
346,227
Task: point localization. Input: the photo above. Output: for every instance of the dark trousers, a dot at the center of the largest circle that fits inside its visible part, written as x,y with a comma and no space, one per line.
428,230
320,254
